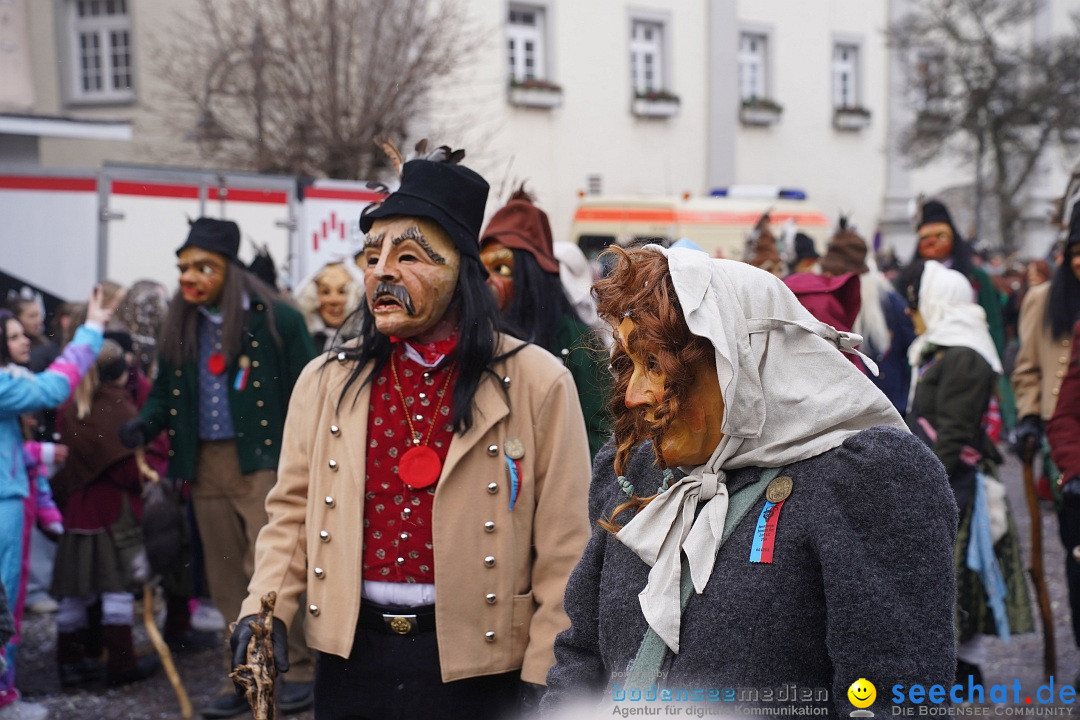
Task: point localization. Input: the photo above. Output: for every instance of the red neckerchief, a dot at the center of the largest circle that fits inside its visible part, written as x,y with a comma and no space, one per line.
432,352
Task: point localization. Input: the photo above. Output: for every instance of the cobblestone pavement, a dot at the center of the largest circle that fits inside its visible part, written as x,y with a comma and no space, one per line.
202,672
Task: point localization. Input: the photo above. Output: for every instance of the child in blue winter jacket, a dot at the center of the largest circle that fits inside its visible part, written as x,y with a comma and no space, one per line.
22,391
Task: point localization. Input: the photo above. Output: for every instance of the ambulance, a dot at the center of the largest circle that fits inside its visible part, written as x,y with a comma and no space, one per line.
719,223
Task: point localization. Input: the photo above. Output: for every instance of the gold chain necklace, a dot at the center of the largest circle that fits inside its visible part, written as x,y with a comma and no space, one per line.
420,466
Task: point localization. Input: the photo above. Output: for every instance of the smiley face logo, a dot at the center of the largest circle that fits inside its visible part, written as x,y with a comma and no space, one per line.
862,693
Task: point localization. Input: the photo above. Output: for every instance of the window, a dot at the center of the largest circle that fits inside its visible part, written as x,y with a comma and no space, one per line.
525,43
100,50
646,52
753,83
930,70
845,72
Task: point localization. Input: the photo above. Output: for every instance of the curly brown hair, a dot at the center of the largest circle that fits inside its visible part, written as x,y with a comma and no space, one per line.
639,287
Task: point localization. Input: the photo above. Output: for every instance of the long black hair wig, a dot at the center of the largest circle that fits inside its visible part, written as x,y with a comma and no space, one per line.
538,304
179,341
1063,309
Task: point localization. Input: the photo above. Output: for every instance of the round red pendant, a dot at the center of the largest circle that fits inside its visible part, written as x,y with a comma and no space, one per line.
216,363
419,467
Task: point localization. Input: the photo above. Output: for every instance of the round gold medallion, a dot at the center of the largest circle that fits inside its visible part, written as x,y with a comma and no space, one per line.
778,489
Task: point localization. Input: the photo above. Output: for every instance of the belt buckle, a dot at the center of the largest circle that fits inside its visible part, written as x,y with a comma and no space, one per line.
400,624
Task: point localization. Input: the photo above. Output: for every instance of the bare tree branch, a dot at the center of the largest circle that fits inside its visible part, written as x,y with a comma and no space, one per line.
304,86
983,91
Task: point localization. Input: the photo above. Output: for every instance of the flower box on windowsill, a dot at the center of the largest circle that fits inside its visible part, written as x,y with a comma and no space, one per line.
657,104
932,122
760,112
536,94
851,118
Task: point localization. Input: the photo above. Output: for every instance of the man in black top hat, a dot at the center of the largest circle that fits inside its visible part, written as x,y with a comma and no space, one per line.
940,240
432,492
230,354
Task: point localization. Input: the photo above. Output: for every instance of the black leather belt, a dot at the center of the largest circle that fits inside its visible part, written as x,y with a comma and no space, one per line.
397,620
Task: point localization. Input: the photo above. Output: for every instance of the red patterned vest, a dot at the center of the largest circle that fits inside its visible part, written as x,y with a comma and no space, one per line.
397,518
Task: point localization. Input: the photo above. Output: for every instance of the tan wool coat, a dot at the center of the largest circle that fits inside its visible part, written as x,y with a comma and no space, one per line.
1042,360
497,570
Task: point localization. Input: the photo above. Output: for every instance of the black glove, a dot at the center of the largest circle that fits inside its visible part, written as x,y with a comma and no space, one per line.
242,634
1029,433
1072,487
134,433
529,696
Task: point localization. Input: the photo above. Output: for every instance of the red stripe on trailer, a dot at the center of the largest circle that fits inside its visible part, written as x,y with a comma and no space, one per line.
191,192
276,197
342,194
148,189
58,184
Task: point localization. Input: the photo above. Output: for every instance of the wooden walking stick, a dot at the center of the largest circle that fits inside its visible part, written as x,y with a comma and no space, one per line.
151,476
163,652
257,676
1038,574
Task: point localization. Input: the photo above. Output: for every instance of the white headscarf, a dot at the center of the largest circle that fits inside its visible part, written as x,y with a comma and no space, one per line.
788,394
951,315
576,277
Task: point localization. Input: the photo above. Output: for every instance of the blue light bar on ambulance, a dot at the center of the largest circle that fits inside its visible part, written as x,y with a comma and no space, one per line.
761,192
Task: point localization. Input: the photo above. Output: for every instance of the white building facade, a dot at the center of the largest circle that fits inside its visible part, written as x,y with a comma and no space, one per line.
604,97
810,104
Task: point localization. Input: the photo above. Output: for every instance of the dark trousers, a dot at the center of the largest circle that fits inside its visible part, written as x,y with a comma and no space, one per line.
1069,529
394,677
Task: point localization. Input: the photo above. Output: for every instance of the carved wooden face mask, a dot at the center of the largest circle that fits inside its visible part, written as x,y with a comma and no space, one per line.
935,241
690,437
499,261
202,275
410,273
333,288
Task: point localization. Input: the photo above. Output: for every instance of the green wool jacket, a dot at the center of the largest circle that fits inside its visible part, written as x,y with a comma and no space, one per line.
586,359
990,300
258,410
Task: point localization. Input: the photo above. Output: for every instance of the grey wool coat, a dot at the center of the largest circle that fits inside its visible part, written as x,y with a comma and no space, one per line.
861,586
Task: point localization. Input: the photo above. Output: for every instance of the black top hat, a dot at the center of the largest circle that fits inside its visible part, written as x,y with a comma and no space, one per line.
219,236
935,212
803,249
452,196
